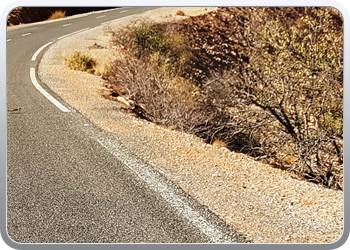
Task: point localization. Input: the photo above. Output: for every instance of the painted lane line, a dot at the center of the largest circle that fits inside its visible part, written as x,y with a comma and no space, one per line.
43,91
168,193
26,34
123,11
100,16
73,33
8,40
39,50
65,25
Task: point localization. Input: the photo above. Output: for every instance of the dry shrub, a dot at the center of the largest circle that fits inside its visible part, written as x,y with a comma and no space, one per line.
160,43
141,36
79,61
57,14
102,69
300,84
287,94
155,97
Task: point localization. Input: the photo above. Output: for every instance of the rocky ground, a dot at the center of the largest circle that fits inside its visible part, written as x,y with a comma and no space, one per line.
265,204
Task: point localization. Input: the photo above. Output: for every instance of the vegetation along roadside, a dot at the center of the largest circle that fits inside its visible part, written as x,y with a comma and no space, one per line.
267,82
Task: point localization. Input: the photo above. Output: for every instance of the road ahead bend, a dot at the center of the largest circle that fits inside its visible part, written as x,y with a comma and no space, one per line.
63,185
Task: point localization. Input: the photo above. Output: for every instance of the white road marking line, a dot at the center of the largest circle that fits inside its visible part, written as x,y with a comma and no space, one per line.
43,91
8,40
123,11
39,50
100,16
73,33
167,192
27,34
65,25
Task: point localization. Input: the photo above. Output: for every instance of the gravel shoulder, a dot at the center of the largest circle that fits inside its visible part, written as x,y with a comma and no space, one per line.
265,204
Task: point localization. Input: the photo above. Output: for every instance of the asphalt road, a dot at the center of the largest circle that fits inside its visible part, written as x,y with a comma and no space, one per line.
63,185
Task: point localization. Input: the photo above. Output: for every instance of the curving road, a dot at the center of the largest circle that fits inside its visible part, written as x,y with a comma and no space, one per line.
62,184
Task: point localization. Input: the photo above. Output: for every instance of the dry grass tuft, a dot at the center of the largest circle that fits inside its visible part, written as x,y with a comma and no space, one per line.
57,14
80,61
